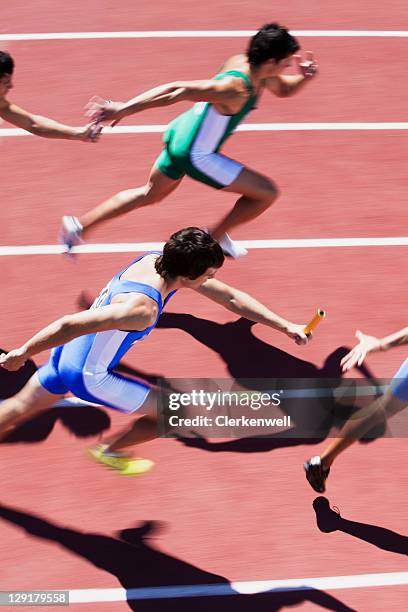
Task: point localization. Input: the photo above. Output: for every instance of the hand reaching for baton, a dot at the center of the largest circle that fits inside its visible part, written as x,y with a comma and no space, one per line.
100,110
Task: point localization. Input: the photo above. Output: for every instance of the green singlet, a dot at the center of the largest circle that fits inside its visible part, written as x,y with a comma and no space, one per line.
193,139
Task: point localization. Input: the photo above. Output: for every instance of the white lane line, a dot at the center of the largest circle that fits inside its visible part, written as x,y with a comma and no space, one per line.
283,127
239,588
246,127
69,402
198,34
137,247
353,390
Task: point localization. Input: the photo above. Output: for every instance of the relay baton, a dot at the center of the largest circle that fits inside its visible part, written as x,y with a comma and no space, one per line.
320,314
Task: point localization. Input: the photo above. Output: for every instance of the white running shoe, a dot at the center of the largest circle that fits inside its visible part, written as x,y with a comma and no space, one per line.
70,232
231,248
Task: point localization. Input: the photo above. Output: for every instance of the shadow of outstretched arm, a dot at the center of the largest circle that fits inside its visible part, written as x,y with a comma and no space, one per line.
137,564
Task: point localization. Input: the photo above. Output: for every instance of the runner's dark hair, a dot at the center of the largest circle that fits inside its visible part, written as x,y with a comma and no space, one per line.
189,252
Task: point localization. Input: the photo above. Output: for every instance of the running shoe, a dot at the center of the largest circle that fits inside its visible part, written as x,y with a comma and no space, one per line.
231,248
126,466
70,232
316,475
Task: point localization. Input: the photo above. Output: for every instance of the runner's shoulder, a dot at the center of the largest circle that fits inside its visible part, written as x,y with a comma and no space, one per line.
139,305
236,62
234,85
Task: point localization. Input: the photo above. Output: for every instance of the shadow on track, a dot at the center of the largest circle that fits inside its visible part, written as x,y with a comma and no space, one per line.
328,521
251,359
138,564
80,421
254,361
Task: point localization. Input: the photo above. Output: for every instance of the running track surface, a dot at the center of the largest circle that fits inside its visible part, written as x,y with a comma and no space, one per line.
218,516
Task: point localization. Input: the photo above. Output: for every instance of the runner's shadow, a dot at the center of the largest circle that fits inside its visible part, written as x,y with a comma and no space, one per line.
252,360
247,357
80,421
138,564
328,520
12,382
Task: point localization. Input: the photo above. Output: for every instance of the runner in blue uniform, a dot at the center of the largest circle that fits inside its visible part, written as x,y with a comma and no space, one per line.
393,401
87,346
193,140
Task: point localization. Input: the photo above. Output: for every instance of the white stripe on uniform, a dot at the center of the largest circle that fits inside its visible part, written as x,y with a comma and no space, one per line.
215,166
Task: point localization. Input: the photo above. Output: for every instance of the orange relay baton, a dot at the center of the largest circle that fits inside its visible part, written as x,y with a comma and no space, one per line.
320,314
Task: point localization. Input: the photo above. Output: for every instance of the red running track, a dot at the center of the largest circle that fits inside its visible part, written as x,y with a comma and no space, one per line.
225,514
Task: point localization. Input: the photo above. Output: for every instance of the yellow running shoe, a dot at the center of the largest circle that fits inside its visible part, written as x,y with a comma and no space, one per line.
126,466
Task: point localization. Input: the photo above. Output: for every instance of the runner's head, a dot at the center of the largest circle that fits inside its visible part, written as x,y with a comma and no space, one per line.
6,64
6,71
191,255
272,44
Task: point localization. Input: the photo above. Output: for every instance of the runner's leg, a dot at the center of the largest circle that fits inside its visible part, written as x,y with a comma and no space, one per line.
258,194
361,422
30,401
156,189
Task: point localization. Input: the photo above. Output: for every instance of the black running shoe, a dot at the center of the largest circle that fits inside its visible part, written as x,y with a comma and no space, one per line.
315,474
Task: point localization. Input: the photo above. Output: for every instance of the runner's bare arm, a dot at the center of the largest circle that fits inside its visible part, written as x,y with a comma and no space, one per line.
285,85
42,126
229,91
370,344
131,313
246,306
396,339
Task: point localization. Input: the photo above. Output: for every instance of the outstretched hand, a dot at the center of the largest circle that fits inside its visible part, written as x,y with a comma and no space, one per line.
91,132
13,360
100,110
308,66
357,355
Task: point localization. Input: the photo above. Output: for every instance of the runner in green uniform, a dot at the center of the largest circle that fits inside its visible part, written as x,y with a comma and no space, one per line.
193,140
